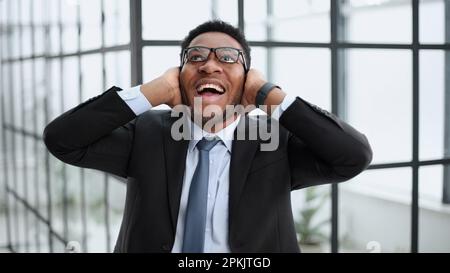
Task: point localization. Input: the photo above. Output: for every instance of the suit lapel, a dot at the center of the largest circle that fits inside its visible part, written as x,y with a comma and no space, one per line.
175,158
242,155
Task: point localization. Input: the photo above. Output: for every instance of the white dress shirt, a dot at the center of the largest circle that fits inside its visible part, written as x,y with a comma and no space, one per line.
216,231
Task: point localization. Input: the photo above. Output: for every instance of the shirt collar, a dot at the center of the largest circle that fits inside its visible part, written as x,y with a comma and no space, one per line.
226,135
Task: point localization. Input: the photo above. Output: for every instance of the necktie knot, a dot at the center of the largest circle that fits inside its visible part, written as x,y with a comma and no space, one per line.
206,145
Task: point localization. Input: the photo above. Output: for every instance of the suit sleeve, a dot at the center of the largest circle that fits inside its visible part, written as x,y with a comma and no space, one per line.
321,147
96,134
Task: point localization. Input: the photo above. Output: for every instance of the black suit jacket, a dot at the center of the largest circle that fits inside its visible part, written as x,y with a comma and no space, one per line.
103,133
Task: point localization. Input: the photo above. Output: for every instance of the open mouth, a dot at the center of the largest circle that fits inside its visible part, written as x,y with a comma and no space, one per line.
210,89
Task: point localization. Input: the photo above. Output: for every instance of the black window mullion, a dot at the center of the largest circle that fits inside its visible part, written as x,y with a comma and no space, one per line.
136,43
13,144
446,175
3,44
334,13
415,128
269,35
241,20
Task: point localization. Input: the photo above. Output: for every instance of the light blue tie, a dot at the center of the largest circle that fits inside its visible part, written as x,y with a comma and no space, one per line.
195,221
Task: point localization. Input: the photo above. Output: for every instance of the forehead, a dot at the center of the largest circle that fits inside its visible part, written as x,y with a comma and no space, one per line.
215,39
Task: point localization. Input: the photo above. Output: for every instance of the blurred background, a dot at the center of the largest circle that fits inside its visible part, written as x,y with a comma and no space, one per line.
382,65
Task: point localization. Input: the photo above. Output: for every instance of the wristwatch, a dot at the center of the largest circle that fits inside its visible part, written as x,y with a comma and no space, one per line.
263,92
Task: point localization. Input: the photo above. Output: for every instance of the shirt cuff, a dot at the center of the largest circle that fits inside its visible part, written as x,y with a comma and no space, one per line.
134,98
287,101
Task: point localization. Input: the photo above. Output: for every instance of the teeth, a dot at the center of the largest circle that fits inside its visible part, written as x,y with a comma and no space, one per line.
210,85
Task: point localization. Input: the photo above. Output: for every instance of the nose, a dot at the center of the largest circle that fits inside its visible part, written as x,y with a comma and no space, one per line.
211,65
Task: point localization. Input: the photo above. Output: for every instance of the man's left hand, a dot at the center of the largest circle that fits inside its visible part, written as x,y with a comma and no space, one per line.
255,80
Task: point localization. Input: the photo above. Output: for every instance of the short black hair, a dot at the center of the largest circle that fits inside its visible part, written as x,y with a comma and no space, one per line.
219,26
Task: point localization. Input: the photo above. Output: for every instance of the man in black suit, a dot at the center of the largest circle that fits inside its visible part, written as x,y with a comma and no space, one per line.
233,196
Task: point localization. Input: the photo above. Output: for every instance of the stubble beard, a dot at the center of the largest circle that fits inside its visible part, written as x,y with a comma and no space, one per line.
214,117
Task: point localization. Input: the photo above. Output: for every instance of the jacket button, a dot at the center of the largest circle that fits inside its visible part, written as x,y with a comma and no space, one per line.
165,247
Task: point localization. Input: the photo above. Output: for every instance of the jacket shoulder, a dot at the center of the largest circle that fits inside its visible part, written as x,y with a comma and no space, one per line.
153,117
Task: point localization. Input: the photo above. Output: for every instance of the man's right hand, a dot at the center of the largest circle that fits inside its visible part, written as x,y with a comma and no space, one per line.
165,89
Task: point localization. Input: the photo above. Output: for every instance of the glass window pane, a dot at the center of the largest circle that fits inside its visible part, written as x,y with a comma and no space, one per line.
41,179
311,209
91,72
75,207
117,22
55,40
25,16
69,26
20,231
226,10
71,91
304,72
375,212
6,90
55,91
117,66
3,46
259,59
292,20
58,246
3,12
431,185
19,161
43,233
54,19
432,104
28,101
90,15
388,21
57,174
95,210
17,94
41,93
172,19
52,12
380,101
432,21
39,43
26,41
39,19
157,59
434,217
307,20
13,16
117,193
255,12
31,169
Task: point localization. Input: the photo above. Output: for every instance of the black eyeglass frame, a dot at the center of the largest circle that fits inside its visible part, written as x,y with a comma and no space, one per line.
184,59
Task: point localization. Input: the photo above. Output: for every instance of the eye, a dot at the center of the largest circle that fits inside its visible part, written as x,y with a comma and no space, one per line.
228,55
227,59
196,57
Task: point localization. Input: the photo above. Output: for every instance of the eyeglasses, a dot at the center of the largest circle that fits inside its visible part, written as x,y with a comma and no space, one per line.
199,54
